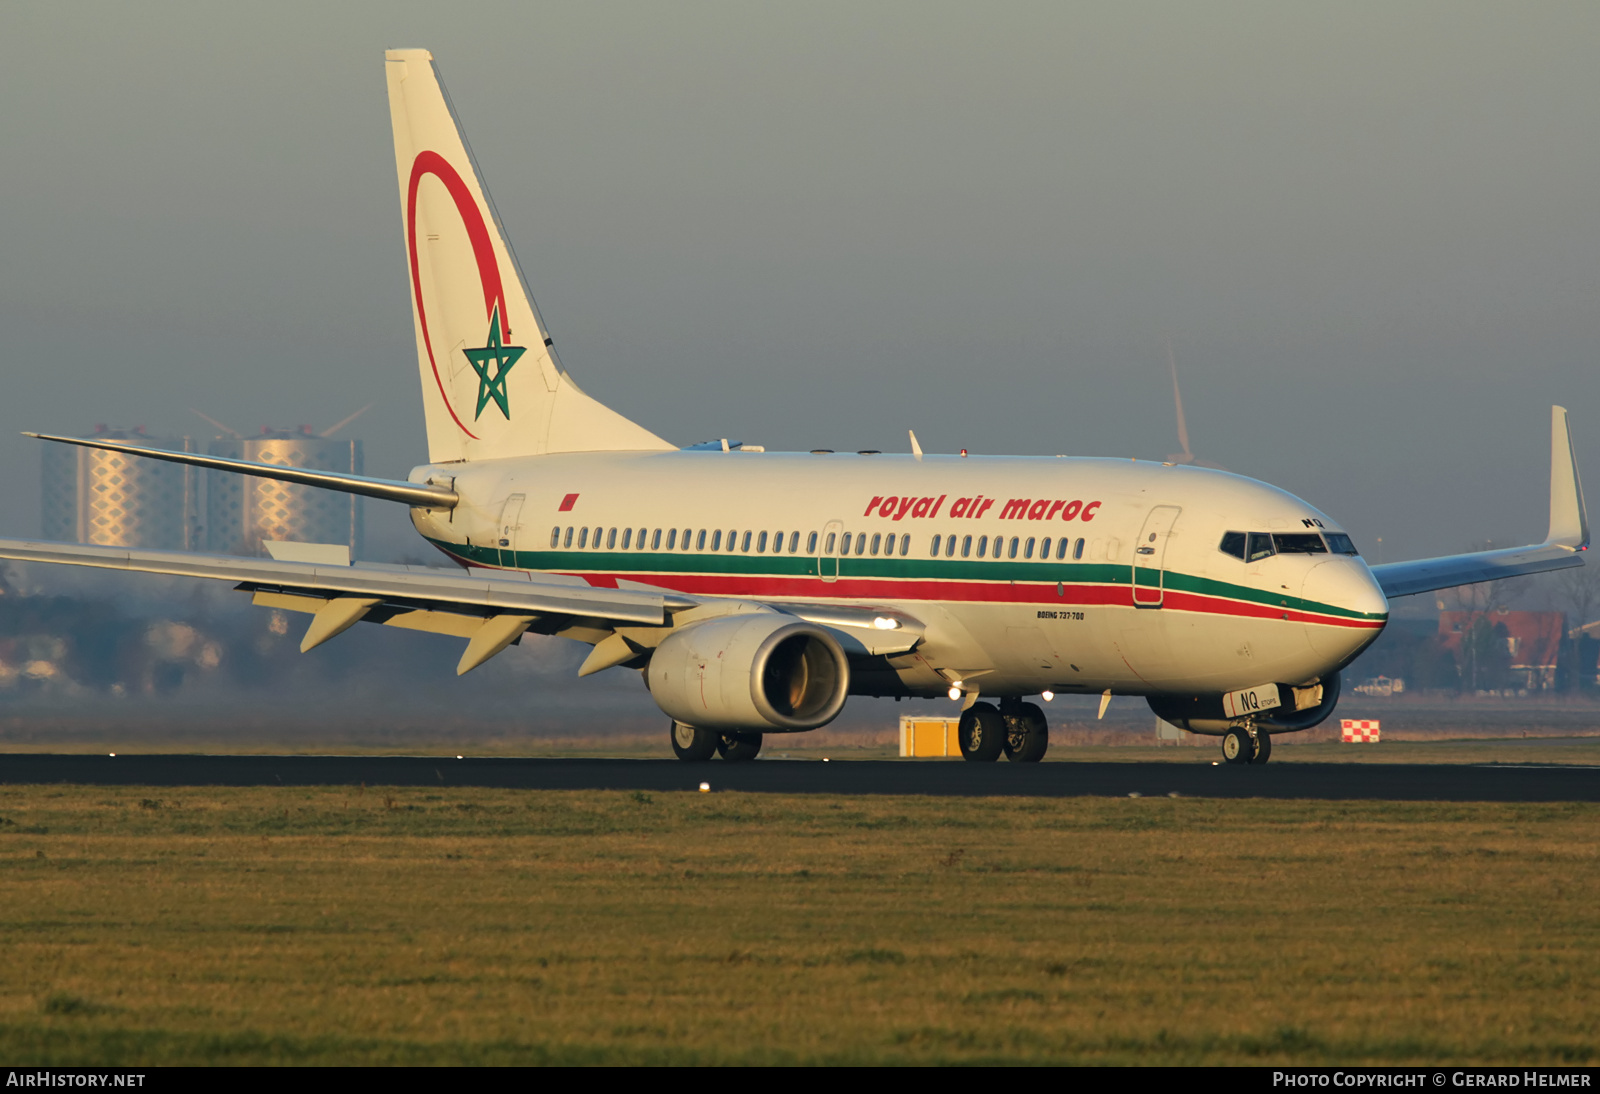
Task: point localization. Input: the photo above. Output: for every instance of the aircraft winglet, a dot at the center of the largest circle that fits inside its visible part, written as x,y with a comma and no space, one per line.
1569,523
1562,548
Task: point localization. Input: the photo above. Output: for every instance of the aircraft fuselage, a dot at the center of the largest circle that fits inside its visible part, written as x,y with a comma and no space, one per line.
1107,574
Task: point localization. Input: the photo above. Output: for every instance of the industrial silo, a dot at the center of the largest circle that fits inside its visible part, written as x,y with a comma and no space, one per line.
112,499
243,511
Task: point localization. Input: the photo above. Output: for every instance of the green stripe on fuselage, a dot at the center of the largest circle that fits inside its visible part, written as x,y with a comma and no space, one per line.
648,563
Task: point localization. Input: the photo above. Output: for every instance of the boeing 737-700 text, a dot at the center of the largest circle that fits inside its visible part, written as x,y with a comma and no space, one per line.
756,591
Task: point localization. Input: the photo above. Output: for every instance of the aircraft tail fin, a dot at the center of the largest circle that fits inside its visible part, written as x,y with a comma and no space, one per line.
492,385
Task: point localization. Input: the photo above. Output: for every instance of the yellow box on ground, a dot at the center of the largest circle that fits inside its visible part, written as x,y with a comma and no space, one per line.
923,737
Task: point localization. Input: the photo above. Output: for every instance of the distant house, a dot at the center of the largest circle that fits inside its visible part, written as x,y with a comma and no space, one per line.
1531,640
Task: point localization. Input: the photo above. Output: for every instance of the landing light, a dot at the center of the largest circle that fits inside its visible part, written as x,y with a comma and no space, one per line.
1047,695
884,623
955,693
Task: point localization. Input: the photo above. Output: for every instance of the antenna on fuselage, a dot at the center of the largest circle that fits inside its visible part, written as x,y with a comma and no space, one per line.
916,449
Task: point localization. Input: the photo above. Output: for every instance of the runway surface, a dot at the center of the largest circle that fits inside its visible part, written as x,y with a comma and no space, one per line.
1329,782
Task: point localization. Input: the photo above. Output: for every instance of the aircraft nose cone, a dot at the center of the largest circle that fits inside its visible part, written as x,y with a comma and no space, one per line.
1356,608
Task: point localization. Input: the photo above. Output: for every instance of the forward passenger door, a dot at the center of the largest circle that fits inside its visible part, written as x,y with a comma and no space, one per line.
1149,553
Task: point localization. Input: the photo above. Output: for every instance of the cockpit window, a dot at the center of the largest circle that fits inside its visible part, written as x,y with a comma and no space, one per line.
1260,547
1233,544
1340,544
1300,543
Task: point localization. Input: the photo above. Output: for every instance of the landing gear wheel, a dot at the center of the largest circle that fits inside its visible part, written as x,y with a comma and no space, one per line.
1027,734
1263,748
738,747
694,744
1237,747
982,733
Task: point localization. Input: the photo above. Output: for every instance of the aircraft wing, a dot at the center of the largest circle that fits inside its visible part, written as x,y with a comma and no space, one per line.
1563,547
491,611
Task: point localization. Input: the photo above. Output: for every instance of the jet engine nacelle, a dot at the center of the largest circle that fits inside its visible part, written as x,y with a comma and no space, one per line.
1300,708
760,673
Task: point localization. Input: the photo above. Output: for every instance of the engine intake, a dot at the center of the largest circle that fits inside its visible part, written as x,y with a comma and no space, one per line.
1301,708
760,672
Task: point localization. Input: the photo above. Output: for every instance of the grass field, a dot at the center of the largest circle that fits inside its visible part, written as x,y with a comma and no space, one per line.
481,926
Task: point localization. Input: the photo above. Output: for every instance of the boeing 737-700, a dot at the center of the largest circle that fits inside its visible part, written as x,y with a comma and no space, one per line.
756,591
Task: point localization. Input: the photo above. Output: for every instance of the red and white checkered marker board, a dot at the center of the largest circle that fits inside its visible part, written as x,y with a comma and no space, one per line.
1354,731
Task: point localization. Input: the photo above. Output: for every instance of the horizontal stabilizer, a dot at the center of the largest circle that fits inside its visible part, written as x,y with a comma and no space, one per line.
1563,547
420,494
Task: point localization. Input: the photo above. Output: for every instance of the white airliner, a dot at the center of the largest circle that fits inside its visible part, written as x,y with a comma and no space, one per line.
756,591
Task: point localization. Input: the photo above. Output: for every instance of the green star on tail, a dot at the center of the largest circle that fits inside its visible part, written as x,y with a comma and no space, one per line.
496,357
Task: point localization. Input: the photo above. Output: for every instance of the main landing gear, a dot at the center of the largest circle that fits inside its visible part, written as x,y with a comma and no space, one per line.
1246,745
1016,728
696,744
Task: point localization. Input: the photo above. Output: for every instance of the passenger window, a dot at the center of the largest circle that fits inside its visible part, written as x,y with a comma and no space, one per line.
761,544
716,540
934,553
568,543
1014,542
611,539
966,546
983,546
1233,543
876,540
597,532
627,537
905,544
1077,551
1027,548
700,541
888,544
641,538
950,547
1340,544
672,538
1063,550
583,538
732,537
555,536
746,547
811,543
794,543
844,544
687,532
1260,546
828,550
861,544
1300,543
655,540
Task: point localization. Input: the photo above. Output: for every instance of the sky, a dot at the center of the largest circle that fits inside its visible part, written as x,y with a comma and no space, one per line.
1367,230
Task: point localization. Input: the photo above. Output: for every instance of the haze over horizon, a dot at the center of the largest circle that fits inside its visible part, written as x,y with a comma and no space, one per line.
1366,230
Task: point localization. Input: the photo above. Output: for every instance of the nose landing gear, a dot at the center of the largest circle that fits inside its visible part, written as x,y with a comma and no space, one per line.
1246,745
